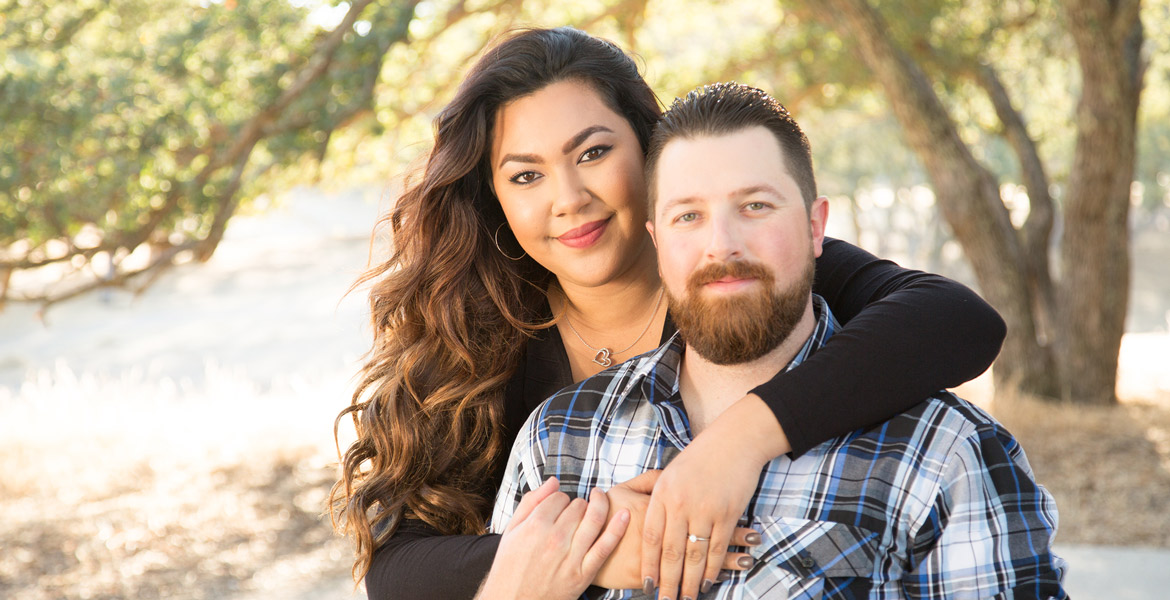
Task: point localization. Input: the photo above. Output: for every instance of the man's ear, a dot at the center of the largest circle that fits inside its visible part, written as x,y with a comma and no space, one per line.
650,228
818,217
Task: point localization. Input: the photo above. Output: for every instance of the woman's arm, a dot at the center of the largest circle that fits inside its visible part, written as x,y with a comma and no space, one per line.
905,334
418,562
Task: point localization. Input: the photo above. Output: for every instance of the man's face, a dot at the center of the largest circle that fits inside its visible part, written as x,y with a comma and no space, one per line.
735,243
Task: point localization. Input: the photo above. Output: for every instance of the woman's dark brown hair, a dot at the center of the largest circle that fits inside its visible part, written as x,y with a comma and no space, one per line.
450,313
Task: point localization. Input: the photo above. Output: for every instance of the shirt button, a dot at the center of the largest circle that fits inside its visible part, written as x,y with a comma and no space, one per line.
807,561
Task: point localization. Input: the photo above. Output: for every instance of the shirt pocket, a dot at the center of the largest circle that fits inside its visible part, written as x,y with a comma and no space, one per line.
811,560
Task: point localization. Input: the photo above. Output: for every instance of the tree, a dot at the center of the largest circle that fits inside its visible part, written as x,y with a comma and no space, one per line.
115,143
1066,348
131,132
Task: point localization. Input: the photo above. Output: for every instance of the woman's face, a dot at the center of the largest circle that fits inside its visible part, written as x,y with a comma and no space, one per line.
568,173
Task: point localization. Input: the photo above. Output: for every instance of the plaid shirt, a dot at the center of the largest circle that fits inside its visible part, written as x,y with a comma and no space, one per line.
937,502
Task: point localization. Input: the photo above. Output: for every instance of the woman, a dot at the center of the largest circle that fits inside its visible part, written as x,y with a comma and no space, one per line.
521,264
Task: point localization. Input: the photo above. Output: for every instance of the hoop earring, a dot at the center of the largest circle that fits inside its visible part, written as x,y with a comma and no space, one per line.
495,238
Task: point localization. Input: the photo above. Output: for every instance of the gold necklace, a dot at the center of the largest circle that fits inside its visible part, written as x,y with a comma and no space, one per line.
603,354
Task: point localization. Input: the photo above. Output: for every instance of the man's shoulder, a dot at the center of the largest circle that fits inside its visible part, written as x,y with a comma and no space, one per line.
945,421
952,408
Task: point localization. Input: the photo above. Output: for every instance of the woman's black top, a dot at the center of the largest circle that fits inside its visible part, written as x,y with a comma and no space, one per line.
905,335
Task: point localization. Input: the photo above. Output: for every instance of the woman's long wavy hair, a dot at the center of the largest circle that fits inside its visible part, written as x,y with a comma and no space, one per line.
450,312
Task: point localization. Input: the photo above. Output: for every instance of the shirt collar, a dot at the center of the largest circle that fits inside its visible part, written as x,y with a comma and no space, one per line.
657,373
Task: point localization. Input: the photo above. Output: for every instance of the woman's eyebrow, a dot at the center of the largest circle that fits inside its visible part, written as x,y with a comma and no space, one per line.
524,158
582,136
573,142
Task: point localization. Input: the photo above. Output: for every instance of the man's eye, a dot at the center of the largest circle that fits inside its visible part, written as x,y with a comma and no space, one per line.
687,217
594,153
524,177
755,206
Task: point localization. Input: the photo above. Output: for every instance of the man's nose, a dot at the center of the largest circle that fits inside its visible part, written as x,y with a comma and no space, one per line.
725,242
572,194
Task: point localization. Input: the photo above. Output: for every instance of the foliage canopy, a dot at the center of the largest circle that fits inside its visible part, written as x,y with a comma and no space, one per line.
131,131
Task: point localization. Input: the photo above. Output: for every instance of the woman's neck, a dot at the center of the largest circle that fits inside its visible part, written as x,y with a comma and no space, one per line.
614,315
625,300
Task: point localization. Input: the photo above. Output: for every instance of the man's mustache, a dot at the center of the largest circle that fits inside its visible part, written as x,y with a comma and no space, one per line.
738,269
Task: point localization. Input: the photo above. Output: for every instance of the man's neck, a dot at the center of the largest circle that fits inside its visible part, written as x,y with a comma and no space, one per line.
707,389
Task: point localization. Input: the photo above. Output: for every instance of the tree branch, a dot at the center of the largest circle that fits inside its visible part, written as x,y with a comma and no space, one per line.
119,279
252,130
1126,14
66,32
1042,212
1037,228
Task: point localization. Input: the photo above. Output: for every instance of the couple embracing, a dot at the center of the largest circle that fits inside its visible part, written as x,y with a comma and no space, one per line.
776,429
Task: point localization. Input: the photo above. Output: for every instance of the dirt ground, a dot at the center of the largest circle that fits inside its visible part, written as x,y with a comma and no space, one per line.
250,524
1108,468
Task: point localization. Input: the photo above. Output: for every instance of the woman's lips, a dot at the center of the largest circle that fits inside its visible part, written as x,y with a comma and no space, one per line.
585,235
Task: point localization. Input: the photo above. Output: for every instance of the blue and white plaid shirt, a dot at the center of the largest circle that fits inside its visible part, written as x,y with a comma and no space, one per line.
937,502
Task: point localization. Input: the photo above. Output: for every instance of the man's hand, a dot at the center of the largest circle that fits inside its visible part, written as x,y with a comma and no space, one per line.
623,569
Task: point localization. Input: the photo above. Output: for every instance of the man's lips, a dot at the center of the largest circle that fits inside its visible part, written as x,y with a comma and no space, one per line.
585,235
729,283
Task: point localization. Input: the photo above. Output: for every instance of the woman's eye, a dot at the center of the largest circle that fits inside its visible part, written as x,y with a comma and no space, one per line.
594,153
755,206
524,177
687,217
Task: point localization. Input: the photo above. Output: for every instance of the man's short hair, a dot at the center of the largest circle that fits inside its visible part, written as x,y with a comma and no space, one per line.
725,108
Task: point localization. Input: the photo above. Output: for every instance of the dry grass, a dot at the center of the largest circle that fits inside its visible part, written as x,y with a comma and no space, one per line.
1108,467
131,489
141,495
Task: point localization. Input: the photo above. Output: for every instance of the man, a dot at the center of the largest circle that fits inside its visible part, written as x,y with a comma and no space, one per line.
938,502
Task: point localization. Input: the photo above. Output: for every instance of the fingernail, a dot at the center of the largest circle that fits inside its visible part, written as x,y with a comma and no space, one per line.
687,598
746,562
706,587
752,539
722,576
743,521
648,586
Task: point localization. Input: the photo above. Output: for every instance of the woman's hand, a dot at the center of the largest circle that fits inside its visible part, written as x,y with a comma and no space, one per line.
553,547
703,492
623,570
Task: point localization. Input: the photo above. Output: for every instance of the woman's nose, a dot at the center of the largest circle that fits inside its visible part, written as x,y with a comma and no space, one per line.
572,195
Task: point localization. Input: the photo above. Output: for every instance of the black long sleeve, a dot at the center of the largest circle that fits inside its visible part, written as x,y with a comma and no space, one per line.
905,335
419,563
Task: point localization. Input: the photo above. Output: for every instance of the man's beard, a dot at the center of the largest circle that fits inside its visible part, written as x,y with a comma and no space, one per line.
740,327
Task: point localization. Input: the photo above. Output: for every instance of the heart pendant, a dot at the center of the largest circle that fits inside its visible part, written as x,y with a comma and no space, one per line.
602,357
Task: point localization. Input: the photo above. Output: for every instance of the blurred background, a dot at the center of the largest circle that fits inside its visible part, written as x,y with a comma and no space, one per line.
189,189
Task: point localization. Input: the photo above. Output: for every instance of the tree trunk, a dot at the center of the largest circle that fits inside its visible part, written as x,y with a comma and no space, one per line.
1095,248
967,193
